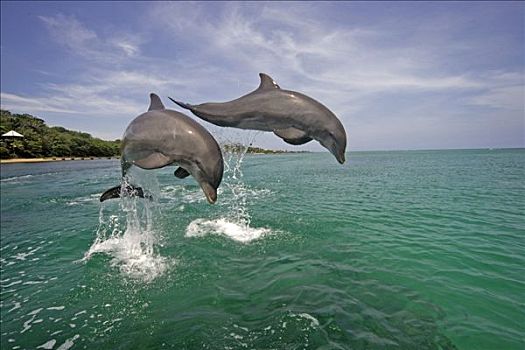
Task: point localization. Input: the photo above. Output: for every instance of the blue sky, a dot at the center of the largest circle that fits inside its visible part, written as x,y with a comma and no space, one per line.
399,75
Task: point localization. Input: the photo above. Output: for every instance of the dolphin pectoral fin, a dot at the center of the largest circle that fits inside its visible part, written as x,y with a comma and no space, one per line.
300,141
293,136
116,192
181,173
153,161
155,103
182,104
290,133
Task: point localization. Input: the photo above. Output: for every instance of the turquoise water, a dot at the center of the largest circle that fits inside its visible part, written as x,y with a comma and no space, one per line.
393,250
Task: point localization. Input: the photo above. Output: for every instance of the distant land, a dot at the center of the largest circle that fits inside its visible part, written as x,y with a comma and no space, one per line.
43,142
239,148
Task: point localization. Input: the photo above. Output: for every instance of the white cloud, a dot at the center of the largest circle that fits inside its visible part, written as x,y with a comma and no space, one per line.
506,97
81,41
30,105
502,90
110,86
123,93
129,48
308,50
69,31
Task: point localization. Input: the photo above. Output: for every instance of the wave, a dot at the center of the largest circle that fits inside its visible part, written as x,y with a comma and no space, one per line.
21,178
92,198
16,178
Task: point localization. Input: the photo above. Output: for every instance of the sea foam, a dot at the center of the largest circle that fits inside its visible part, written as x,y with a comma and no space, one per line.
237,231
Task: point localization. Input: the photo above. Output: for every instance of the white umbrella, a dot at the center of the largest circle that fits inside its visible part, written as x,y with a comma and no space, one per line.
12,133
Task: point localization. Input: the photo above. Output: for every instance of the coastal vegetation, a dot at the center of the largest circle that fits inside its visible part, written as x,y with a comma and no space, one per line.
42,141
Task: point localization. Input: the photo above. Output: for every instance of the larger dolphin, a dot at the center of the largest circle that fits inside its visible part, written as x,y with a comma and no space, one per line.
162,137
294,117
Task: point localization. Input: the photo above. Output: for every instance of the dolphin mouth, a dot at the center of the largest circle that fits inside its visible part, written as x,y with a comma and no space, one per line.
209,192
338,154
212,198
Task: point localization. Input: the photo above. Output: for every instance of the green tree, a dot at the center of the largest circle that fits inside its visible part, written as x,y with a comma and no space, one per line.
43,141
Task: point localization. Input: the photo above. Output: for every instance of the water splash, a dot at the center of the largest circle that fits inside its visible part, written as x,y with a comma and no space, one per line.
129,236
234,183
236,220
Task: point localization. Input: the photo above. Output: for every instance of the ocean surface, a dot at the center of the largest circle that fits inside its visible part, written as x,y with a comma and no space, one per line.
392,250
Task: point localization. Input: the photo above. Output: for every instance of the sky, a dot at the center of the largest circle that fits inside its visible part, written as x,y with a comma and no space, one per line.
399,75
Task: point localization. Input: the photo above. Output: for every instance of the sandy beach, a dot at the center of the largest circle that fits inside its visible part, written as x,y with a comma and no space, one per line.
54,159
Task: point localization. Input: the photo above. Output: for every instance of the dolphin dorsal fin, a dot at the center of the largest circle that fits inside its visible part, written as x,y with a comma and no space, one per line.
155,103
267,82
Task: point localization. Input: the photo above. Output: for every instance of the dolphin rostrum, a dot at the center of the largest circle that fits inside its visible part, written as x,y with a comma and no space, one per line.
294,117
162,137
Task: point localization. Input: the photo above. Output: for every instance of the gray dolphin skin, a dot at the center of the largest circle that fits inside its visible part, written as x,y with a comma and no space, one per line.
294,117
162,137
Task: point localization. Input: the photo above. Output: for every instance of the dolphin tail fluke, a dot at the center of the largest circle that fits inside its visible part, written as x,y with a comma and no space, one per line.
116,192
182,104
113,192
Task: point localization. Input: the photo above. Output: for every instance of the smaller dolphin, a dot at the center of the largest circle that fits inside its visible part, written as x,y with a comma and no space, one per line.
294,117
162,137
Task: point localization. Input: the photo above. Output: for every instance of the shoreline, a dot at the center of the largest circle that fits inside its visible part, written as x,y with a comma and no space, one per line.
52,159
62,159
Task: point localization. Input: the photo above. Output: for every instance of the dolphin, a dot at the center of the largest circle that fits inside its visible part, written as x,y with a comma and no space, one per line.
294,117
162,137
